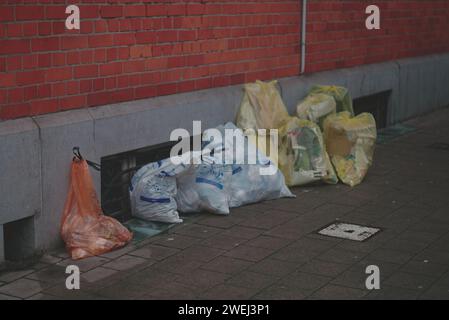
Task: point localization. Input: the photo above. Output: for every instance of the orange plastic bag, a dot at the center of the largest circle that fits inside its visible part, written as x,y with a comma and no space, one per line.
84,229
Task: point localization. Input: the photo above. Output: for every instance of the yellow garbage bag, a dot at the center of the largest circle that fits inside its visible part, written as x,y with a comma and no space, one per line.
350,143
316,107
302,156
340,94
262,107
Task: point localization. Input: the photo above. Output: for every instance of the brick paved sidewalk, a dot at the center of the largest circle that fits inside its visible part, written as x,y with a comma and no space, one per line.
270,250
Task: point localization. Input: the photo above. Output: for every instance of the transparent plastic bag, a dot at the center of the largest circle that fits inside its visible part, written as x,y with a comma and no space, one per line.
340,94
350,143
316,107
262,107
302,156
84,229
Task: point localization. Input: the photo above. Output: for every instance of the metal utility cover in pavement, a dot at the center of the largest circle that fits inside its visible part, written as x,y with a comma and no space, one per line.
349,231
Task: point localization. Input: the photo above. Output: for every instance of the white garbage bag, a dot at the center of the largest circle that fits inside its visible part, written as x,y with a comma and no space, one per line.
203,188
152,191
247,183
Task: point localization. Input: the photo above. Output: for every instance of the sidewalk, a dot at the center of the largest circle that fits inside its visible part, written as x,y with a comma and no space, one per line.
271,251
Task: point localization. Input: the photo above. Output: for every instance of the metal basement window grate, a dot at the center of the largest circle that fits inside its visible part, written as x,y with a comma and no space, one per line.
377,105
116,173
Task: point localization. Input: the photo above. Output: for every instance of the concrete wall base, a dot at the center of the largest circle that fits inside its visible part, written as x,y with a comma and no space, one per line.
35,153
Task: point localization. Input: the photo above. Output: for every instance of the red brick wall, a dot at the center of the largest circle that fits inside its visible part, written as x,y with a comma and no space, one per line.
138,49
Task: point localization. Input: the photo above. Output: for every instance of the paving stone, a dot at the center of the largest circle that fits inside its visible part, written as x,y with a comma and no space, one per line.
325,268
411,247
224,242
410,281
282,292
201,253
43,296
154,252
304,280
242,232
22,288
178,264
273,267
203,279
392,293
6,297
126,262
50,259
52,274
392,256
228,292
352,279
342,256
433,255
333,292
97,274
123,291
14,275
151,277
268,220
197,230
84,264
176,241
252,280
436,292
227,265
249,253
219,221
267,242
119,252
425,268
171,291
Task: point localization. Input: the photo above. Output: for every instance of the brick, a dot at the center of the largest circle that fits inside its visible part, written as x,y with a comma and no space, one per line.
7,79
30,77
121,39
30,12
14,46
140,51
100,40
134,11
43,106
45,44
72,102
55,12
58,74
111,11
74,42
89,71
6,13
153,10
110,69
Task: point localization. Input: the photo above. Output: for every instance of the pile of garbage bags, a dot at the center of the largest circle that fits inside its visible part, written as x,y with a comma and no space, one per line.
324,141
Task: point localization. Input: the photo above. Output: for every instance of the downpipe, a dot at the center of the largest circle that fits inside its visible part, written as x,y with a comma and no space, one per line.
303,36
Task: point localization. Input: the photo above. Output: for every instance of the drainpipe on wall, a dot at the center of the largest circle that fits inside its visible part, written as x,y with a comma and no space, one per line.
303,36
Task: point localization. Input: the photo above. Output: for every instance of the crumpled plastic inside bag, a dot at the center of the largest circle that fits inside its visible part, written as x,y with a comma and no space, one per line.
340,94
350,143
316,107
302,156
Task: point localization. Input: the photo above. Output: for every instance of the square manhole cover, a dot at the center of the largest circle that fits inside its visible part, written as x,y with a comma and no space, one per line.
349,231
